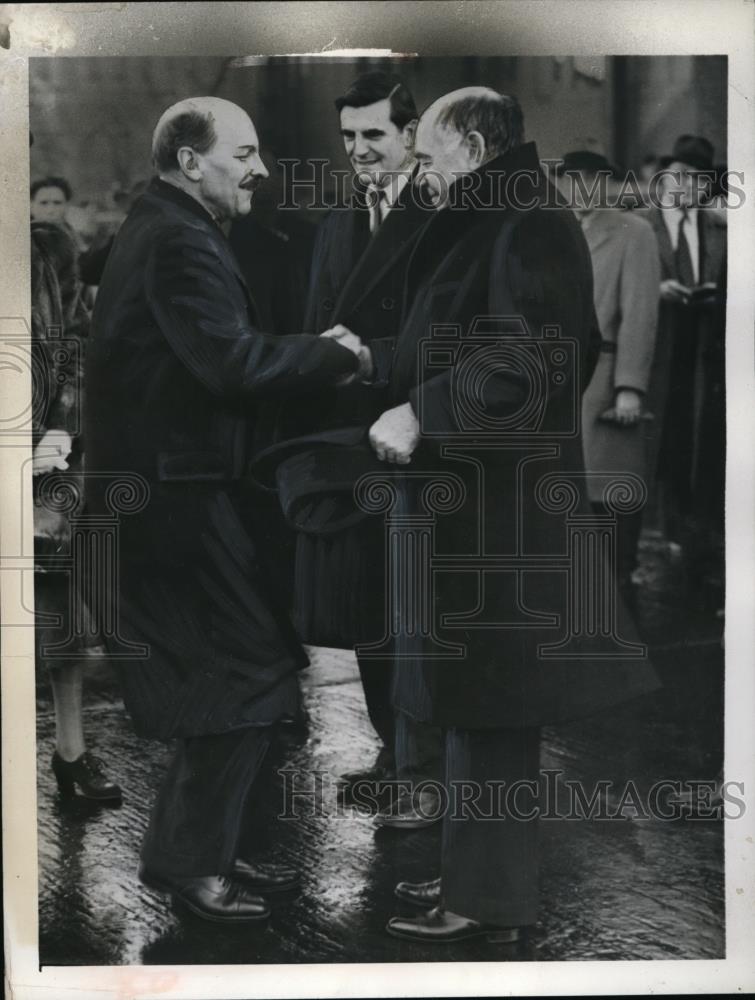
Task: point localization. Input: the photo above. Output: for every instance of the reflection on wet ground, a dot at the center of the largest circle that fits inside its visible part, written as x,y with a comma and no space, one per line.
636,888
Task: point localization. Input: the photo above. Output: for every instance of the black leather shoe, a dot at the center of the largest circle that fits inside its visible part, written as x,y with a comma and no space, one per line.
425,894
443,927
265,876
86,773
212,897
411,811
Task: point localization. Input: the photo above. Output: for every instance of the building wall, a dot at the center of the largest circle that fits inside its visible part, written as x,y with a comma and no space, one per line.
92,118
663,97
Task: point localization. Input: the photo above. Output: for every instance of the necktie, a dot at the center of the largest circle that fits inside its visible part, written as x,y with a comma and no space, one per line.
684,270
376,203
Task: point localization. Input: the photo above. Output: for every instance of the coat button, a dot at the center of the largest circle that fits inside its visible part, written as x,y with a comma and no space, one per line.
388,302
328,304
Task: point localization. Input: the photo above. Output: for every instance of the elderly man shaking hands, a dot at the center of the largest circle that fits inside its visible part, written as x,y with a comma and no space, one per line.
176,368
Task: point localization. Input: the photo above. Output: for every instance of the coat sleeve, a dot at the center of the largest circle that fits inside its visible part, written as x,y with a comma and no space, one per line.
540,271
200,308
638,301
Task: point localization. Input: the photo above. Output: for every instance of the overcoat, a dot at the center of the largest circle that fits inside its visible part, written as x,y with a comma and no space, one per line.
175,369
687,445
626,280
499,340
357,279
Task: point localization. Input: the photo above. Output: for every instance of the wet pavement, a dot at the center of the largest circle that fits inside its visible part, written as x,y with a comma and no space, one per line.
632,888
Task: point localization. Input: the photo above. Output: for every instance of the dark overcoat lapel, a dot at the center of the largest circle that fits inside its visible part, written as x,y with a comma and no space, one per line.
383,252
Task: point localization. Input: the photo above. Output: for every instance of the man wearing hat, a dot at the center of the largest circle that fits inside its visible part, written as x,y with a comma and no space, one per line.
626,275
688,382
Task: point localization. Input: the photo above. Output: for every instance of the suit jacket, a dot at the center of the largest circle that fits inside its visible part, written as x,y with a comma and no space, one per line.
496,349
626,277
175,367
357,279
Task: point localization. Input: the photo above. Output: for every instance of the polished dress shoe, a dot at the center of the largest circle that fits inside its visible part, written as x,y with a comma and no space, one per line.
212,897
88,775
425,894
440,926
265,876
411,811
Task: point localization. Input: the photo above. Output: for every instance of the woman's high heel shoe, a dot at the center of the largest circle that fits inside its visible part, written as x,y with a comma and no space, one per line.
88,775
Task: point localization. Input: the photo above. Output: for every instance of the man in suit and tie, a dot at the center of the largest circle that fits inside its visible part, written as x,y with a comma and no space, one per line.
357,280
687,389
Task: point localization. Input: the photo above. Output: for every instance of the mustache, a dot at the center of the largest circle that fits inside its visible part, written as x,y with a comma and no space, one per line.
251,183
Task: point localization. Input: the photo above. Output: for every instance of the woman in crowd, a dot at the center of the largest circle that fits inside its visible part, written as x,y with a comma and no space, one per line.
59,320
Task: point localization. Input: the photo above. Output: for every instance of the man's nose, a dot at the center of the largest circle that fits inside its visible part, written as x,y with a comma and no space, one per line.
360,146
261,170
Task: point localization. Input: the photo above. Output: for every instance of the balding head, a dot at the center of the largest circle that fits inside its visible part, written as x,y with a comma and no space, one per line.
209,148
497,117
191,123
461,131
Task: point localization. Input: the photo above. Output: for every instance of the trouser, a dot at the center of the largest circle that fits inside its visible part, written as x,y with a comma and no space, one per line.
411,748
489,866
376,683
419,750
196,819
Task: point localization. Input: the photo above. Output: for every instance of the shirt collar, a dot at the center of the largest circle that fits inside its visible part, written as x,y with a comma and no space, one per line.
174,193
675,213
392,190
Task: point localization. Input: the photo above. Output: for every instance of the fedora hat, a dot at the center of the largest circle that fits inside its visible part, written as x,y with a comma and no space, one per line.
586,161
692,150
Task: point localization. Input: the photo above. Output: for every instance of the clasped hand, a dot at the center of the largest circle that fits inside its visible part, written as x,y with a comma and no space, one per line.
395,435
347,339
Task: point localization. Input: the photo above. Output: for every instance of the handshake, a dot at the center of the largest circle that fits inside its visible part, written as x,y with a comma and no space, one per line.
350,340
395,436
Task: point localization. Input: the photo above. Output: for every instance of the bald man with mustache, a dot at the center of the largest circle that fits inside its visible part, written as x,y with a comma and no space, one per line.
175,372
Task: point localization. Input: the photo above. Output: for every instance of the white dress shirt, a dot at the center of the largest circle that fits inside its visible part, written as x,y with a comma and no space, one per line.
672,217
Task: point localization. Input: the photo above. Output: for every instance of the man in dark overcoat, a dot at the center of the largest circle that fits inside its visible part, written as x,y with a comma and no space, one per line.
176,368
357,279
687,387
497,346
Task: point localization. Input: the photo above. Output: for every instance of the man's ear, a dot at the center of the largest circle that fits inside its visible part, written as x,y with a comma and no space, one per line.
476,147
410,132
187,161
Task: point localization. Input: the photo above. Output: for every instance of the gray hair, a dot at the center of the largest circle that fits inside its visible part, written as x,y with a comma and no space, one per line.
497,117
192,126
